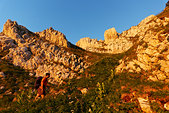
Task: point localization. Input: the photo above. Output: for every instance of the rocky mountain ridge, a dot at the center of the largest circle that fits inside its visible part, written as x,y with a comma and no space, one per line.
140,84
151,54
118,43
54,36
149,41
114,43
40,52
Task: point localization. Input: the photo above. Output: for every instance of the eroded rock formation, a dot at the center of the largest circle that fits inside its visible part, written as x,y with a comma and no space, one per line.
110,35
151,56
91,44
32,52
54,36
113,43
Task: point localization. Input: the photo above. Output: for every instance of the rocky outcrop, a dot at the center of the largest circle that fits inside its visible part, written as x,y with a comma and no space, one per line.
166,106
6,43
2,75
119,43
91,44
54,36
151,55
110,35
15,31
30,51
145,105
21,34
113,43
141,29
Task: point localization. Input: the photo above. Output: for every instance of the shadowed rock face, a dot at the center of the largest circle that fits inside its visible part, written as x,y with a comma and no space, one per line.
40,52
167,4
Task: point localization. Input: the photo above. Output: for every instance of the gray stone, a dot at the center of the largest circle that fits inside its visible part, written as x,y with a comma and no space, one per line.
2,75
144,104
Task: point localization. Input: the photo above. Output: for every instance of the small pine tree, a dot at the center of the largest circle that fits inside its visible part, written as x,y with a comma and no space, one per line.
167,4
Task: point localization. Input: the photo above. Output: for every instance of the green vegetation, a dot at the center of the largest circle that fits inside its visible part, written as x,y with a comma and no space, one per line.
105,93
90,56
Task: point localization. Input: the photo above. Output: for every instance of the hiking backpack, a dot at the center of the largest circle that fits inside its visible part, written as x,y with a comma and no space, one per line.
38,82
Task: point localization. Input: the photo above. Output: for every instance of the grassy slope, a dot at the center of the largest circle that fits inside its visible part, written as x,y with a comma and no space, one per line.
91,57
104,90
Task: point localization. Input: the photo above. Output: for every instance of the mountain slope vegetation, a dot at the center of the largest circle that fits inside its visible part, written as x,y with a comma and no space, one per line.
98,89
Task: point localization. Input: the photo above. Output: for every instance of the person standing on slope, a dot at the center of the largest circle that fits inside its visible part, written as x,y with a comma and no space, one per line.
41,90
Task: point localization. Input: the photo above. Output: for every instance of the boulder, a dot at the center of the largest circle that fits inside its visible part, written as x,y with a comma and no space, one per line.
2,87
84,90
153,78
144,104
166,106
2,75
167,19
160,75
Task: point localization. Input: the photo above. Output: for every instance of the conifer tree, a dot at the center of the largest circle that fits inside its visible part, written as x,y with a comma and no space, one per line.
167,4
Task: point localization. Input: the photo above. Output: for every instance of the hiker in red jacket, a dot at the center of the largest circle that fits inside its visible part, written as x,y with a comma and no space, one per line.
41,90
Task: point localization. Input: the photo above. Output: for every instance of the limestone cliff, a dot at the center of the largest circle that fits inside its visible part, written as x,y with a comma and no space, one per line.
40,52
54,36
150,56
149,41
119,43
45,51
113,43
17,32
110,35
91,44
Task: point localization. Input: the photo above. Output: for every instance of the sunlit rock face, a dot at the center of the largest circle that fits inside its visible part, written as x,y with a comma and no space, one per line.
15,31
110,35
151,54
41,52
113,43
118,43
54,36
91,45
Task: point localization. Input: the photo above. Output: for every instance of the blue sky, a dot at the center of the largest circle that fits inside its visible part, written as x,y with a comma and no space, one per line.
78,18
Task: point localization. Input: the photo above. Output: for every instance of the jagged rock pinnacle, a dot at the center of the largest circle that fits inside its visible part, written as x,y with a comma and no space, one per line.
54,36
110,34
